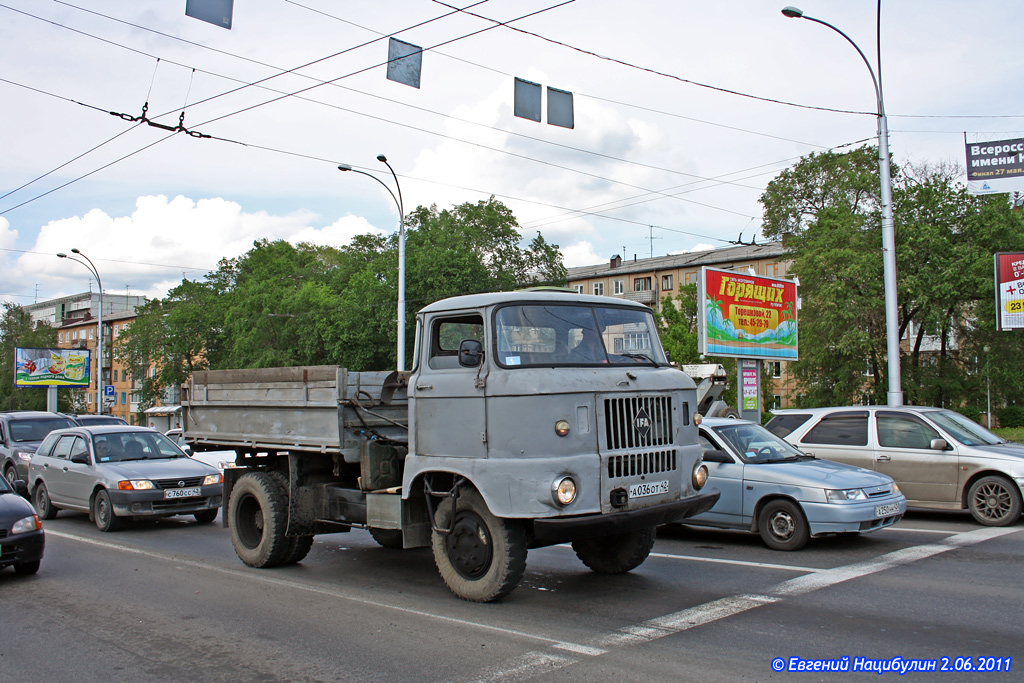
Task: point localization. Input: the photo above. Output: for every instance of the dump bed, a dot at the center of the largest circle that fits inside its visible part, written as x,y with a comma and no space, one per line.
316,408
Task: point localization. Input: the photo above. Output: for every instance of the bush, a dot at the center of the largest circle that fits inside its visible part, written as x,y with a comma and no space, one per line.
971,413
1011,416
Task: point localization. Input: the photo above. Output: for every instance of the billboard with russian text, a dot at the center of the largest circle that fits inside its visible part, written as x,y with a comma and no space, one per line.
747,316
1010,291
995,167
51,367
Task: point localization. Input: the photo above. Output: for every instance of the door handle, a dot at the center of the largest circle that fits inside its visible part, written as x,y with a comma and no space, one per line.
884,458
424,386
809,453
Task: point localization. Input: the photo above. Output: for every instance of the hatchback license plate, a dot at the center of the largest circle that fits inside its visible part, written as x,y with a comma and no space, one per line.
886,510
183,493
648,489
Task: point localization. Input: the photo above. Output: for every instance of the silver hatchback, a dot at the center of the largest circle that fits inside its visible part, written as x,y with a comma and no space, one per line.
940,459
114,472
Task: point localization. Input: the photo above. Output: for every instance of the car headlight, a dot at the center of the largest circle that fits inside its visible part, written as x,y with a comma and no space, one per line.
136,485
26,524
845,495
563,490
700,476
896,488
211,479
24,455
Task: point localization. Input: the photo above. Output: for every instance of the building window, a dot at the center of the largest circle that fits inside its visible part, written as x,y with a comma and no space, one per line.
115,375
772,269
775,369
642,284
599,289
776,401
578,288
619,286
60,337
666,283
92,334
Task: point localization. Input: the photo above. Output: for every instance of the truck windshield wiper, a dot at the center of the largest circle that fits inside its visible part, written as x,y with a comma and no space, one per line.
640,356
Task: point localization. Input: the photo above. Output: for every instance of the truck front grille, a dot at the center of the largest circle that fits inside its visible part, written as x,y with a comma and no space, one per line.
638,464
638,422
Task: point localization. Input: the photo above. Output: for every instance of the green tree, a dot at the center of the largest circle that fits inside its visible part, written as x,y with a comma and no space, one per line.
825,209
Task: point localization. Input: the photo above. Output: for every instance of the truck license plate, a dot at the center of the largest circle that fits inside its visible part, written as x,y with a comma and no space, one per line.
648,489
183,493
886,510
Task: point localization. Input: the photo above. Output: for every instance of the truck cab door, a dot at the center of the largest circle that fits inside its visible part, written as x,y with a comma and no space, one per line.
446,395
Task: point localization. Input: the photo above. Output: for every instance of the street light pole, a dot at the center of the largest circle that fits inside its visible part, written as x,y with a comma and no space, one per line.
99,339
401,251
892,327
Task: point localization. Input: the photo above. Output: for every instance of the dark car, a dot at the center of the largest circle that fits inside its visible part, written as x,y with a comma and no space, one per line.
21,532
20,434
91,419
117,472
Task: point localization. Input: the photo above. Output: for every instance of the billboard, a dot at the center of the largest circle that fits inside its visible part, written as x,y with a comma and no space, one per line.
51,367
747,316
1010,290
995,167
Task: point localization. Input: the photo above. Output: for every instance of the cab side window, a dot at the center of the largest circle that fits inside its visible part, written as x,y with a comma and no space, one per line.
445,336
63,447
896,430
840,429
78,447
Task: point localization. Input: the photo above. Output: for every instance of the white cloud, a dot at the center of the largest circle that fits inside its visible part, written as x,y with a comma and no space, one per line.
703,246
580,254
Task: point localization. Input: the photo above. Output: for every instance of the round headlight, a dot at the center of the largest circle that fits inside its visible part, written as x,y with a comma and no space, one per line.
562,428
700,476
697,418
564,490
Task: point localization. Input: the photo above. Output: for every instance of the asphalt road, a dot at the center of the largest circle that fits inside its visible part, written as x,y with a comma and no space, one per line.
169,601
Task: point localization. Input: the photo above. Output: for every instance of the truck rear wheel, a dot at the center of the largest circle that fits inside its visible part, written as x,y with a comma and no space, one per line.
483,557
388,538
257,516
616,554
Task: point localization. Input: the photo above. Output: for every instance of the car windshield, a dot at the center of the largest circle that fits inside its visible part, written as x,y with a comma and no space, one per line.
966,431
576,335
755,444
4,486
122,446
36,429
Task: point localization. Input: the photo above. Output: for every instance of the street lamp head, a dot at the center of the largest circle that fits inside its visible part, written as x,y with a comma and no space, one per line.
381,158
74,250
793,12
344,167
62,255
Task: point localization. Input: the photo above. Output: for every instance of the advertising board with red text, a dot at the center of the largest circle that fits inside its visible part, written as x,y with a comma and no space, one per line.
747,316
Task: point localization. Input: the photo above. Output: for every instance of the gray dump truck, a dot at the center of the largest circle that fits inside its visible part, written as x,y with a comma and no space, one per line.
528,419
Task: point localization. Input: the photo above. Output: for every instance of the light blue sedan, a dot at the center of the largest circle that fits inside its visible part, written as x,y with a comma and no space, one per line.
770,487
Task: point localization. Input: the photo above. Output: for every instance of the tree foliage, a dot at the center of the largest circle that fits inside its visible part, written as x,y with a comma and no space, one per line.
280,305
826,211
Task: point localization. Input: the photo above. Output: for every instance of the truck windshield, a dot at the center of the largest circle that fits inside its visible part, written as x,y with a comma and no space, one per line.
580,335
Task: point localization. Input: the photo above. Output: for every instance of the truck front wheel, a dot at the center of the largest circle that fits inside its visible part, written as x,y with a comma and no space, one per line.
257,516
616,554
482,558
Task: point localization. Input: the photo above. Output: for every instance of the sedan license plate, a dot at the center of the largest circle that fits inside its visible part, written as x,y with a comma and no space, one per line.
648,489
183,493
886,510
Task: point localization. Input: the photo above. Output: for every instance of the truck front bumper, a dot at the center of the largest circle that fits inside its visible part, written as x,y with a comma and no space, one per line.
559,529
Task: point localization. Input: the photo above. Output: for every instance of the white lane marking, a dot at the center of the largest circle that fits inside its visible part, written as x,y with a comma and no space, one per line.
899,527
260,577
529,665
716,560
741,563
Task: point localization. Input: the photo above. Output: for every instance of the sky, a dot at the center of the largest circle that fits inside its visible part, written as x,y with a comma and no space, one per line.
684,111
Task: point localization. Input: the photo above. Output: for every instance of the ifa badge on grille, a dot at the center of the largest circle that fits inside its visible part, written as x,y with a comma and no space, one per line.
642,423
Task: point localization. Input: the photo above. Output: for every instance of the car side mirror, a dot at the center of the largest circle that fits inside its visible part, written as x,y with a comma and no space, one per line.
471,353
20,487
717,455
187,449
80,458
938,445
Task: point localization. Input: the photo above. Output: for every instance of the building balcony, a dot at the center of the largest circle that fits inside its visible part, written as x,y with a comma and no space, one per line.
647,296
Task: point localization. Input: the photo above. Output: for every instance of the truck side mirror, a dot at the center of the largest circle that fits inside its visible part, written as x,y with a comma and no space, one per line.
471,352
